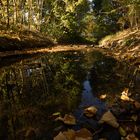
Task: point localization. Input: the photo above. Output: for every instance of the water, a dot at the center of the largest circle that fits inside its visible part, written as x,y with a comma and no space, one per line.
32,89
88,98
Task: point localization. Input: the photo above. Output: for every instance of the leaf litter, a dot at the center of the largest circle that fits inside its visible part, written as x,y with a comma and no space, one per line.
107,118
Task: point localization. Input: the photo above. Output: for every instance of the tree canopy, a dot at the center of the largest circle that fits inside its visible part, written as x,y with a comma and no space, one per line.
68,20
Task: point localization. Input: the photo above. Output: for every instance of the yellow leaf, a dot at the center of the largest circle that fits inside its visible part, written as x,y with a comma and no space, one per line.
134,117
110,119
70,134
60,136
83,134
125,95
56,114
59,119
103,96
131,137
122,131
69,119
125,92
125,98
90,111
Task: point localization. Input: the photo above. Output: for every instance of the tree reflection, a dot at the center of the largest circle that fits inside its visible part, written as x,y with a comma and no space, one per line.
31,90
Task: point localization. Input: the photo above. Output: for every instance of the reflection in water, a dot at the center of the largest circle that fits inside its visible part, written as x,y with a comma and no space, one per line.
33,89
88,98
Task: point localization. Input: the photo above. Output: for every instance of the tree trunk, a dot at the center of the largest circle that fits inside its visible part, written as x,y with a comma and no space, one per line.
8,19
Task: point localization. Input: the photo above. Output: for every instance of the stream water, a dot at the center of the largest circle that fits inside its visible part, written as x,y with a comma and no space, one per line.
32,89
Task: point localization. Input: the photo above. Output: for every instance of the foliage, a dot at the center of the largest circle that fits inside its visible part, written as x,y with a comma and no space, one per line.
70,21
105,20
131,12
67,22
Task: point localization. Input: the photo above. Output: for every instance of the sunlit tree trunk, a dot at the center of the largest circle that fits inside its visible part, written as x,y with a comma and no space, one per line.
40,13
29,13
8,19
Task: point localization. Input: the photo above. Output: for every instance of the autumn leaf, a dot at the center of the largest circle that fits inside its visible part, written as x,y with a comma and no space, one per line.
60,136
70,134
125,98
56,114
126,92
125,95
90,111
110,119
103,96
134,117
84,133
131,137
59,119
69,119
122,132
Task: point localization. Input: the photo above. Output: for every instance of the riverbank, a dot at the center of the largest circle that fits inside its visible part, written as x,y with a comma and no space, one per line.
110,76
124,46
15,41
55,48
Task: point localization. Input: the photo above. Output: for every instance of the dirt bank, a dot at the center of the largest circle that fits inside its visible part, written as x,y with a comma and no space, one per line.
10,41
124,46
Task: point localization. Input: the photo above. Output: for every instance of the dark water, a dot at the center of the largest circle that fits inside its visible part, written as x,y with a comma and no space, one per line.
32,89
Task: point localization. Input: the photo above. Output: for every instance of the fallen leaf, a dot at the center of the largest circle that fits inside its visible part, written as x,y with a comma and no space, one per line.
59,119
125,98
69,119
122,132
90,111
56,114
70,134
83,133
137,105
125,95
131,137
134,117
103,96
126,92
110,119
60,136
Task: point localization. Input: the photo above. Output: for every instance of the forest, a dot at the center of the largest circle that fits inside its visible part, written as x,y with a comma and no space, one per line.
69,21
69,69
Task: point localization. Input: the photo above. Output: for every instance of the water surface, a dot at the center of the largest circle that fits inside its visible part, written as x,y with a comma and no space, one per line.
32,89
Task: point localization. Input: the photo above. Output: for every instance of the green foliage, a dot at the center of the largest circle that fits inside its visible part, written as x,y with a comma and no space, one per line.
130,13
66,24
105,20
70,21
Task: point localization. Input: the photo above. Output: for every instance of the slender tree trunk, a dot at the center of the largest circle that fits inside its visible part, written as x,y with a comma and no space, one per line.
29,13
40,14
8,19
